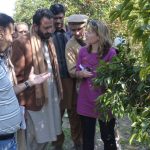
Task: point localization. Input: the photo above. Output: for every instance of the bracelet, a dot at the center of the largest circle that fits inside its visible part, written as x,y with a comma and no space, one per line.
27,84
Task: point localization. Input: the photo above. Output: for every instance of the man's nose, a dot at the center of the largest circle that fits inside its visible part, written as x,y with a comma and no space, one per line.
77,32
24,33
58,21
49,30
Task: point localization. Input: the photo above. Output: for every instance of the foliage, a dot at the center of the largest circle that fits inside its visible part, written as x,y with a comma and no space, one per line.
135,14
126,92
95,9
26,8
127,78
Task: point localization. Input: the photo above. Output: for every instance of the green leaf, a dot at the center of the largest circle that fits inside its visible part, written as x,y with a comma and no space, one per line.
132,137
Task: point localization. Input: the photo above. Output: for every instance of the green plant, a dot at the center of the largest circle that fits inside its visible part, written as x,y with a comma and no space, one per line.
127,77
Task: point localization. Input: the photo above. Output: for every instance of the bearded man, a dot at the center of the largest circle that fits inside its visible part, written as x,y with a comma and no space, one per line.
42,102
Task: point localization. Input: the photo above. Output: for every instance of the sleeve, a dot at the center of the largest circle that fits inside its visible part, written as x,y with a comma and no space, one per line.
79,60
70,60
18,60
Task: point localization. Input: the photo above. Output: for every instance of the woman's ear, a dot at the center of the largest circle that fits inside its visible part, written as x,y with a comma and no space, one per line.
2,33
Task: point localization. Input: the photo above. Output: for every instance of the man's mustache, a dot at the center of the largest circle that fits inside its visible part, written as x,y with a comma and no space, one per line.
48,34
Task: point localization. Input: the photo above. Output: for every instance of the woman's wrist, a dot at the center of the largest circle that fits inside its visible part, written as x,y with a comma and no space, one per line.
81,74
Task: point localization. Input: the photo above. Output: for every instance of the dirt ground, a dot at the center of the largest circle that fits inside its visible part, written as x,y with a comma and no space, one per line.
123,129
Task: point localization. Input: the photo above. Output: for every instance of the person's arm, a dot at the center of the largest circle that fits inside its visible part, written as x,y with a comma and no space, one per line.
20,87
18,59
71,61
81,72
33,80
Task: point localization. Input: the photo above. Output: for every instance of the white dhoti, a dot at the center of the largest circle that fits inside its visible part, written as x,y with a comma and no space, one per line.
45,125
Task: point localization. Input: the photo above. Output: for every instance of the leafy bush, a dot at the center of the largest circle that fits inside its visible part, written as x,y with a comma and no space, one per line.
125,92
127,78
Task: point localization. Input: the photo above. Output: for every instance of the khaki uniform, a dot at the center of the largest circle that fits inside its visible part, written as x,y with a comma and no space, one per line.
72,50
71,53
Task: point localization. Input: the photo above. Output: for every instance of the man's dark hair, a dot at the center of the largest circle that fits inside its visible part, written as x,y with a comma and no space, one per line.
57,9
5,20
40,13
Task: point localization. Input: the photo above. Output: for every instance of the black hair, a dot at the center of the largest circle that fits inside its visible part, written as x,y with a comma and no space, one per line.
5,20
40,13
57,9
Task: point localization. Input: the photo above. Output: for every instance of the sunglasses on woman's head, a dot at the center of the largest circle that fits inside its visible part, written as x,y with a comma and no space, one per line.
93,23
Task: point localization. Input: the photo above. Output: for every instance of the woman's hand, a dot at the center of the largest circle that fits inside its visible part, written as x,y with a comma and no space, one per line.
37,79
85,74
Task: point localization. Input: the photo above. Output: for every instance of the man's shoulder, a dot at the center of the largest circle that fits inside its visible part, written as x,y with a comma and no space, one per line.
71,42
22,40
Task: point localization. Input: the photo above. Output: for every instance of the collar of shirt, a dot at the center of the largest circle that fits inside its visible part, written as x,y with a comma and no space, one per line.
4,54
64,29
61,30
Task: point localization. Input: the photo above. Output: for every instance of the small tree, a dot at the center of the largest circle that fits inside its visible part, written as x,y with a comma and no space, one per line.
127,78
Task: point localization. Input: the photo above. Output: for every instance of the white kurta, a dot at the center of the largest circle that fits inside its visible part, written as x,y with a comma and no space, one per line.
47,121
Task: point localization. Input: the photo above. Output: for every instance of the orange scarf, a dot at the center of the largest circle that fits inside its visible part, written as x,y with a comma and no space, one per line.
40,66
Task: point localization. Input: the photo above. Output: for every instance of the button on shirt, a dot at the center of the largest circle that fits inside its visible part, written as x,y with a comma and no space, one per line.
10,116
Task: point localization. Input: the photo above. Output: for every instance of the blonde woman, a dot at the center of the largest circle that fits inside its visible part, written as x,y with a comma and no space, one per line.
98,47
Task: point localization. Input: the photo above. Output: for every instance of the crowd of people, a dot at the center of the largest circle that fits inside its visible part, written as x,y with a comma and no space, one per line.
48,70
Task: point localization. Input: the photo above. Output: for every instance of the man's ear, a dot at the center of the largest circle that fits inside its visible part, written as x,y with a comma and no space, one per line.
2,33
35,27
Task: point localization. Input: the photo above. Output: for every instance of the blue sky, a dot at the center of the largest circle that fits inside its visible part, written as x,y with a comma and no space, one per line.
7,6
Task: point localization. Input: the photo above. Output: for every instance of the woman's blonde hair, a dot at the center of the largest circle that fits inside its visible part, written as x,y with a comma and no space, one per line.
102,31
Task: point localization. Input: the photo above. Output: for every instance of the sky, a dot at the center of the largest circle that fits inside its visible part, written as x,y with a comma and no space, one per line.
7,7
